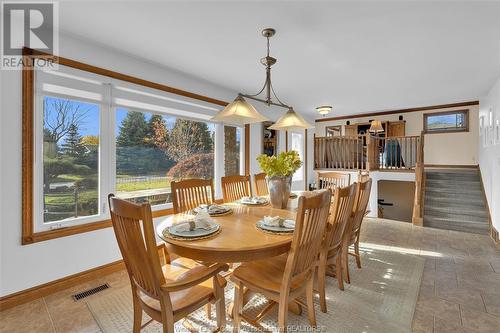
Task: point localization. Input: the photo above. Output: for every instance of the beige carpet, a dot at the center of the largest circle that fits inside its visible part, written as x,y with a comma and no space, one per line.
381,298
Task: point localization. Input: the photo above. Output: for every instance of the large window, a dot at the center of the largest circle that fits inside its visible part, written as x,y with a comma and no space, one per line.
444,122
70,159
152,150
96,135
232,150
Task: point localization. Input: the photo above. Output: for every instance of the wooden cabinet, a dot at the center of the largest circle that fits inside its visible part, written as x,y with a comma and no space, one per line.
351,130
396,128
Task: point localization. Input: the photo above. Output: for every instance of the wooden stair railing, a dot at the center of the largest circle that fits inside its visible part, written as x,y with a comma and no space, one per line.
339,152
398,152
418,205
366,152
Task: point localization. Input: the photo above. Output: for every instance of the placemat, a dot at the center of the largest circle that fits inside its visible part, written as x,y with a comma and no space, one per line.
167,234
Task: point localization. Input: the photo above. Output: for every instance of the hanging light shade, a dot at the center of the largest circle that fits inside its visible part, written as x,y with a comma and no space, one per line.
324,110
376,127
242,112
239,112
291,121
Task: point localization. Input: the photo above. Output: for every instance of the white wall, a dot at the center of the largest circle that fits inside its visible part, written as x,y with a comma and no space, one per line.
30,265
489,152
440,148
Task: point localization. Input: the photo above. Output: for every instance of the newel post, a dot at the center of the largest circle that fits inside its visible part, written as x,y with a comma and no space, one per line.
417,217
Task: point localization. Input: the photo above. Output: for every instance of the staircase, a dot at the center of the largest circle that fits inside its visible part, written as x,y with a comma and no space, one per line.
454,201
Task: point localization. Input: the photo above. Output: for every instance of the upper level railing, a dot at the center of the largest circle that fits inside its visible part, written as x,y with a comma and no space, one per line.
368,152
339,152
396,153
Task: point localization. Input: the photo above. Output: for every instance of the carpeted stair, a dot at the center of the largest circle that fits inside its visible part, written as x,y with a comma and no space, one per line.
454,200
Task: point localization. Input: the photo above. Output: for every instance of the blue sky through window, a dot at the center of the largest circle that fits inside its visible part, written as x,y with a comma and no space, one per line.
90,124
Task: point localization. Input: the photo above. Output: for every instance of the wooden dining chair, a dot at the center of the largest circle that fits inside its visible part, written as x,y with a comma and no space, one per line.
235,187
190,193
166,293
330,257
331,180
284,278
353,231
260,183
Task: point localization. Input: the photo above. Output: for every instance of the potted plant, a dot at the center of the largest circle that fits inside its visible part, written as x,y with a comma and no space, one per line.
279,170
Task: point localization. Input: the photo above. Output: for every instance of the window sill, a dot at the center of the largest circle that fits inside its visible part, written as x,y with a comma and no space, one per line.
77,229
465,130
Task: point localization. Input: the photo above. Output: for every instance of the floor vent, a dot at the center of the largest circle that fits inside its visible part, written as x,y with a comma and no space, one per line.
90,292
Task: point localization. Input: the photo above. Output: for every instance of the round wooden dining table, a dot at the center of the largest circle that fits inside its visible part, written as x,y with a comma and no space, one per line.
239,239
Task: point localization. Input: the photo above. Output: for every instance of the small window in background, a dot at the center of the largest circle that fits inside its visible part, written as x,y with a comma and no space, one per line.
232,142
443,122
153,150
70,159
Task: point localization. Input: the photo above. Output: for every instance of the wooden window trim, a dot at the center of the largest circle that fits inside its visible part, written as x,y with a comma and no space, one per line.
28,236
455,130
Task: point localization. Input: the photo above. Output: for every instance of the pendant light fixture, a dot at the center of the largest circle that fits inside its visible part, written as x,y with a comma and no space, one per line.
241,112
376,127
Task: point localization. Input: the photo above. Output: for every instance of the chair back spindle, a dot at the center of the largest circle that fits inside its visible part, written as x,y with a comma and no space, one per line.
310,225
260,183
190,193
360,206
332,180
341,210
235,187
134,231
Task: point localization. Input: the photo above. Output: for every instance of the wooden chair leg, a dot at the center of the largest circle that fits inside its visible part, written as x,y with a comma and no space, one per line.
338,268
321,282
137,314
345,260
167,320
168,327
310,302
356,250
237,306
208,310
282,316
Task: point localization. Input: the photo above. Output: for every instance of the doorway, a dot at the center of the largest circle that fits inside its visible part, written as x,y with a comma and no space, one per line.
395,200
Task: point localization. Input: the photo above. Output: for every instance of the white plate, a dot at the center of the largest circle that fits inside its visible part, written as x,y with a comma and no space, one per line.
192,234
288,226
198,209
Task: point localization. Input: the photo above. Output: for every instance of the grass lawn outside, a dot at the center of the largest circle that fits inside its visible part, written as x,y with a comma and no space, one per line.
143,185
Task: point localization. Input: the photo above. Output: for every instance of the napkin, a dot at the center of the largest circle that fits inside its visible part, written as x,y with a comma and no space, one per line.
201,221
273,221
254,200
214,208
277,221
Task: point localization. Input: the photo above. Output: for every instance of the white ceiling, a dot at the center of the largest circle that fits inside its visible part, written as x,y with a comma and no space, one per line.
357,56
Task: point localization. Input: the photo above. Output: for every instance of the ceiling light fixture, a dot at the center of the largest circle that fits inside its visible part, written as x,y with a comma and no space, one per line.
324,110
241,112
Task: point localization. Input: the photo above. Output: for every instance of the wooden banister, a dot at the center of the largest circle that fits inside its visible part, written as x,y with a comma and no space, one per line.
418,206
367,152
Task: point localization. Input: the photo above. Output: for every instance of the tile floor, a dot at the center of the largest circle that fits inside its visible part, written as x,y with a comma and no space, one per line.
460,289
